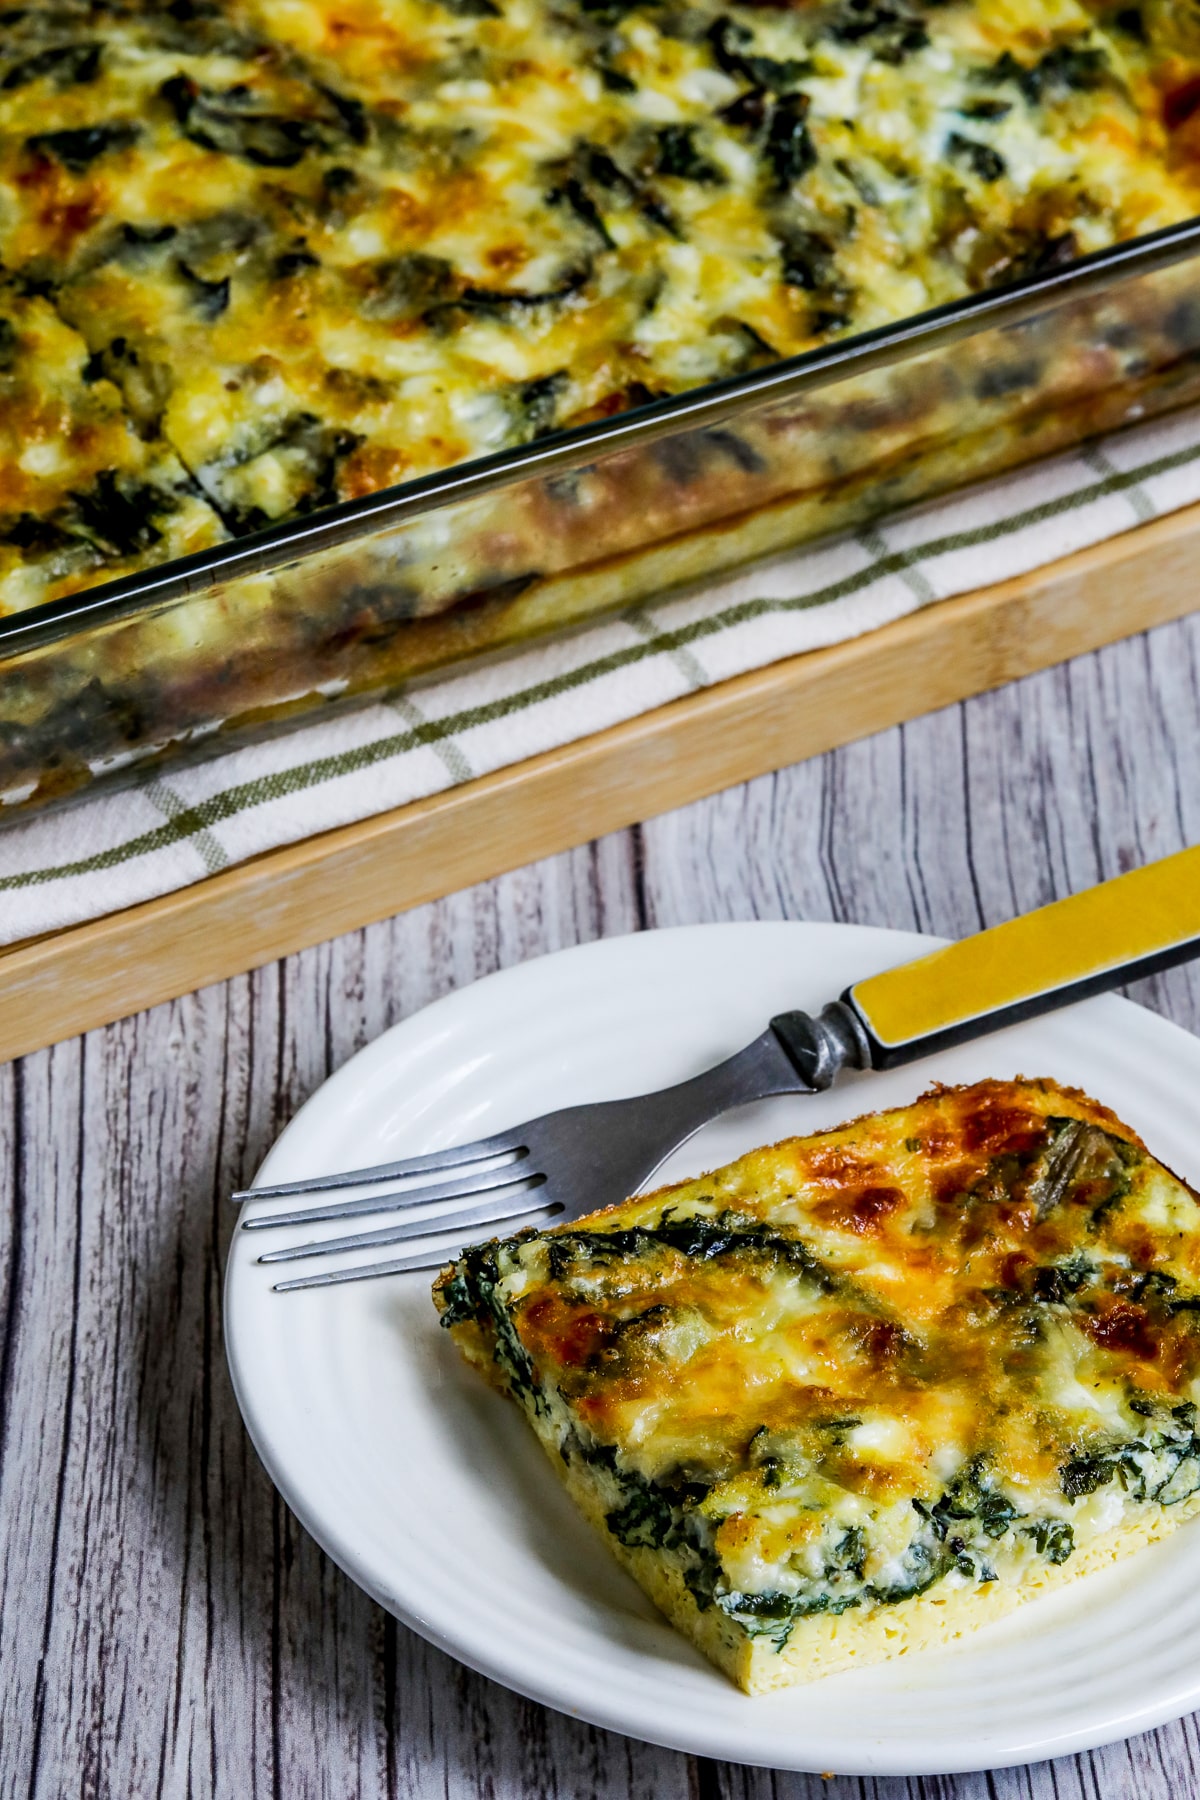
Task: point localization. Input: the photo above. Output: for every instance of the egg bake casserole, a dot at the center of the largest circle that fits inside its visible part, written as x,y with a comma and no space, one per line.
861,1392
263,255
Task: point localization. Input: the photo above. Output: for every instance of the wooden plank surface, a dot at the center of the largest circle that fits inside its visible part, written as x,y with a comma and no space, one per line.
168,1629
281,902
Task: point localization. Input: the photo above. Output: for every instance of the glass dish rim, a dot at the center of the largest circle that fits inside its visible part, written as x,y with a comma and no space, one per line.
164,584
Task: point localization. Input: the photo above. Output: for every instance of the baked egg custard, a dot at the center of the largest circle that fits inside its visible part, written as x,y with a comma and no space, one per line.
861,1392
315,248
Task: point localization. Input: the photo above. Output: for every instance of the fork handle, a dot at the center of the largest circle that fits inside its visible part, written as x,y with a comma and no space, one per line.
1136,924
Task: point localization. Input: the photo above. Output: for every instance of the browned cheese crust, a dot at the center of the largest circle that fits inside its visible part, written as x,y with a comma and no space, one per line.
861,1392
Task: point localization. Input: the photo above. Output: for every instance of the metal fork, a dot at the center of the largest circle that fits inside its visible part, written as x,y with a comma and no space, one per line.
556,1168
570,1163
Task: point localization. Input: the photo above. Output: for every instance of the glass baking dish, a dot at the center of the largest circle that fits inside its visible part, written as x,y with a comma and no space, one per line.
341,606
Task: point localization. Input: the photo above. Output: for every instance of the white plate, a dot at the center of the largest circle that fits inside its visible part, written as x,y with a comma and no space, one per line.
430,1491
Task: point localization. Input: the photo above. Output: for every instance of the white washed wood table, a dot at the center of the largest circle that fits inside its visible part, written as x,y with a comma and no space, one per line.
165,1626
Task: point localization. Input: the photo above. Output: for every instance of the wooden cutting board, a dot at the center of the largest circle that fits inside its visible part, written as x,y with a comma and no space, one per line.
54,986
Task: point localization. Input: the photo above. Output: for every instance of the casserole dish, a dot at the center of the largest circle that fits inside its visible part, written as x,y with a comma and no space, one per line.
341,603
227,644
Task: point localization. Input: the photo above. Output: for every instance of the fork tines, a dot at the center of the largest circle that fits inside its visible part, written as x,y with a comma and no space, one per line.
503,1145
509,1205
425,1194
496,1172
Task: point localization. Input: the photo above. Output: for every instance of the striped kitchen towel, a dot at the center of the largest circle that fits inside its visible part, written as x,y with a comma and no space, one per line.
108,852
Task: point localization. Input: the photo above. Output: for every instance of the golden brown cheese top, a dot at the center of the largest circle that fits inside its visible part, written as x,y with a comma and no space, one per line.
82,497
321,246
991,1268
931,1344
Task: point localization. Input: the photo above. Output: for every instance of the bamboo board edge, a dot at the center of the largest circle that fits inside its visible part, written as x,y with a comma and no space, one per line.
284,900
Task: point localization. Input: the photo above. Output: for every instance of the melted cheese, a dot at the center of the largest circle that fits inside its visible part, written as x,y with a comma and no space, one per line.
323,246
82,497
938,1349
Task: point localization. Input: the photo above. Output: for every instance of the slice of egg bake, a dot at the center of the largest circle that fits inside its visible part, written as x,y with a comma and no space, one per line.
861,1392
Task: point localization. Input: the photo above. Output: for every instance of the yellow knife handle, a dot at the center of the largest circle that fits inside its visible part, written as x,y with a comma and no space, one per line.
1134,925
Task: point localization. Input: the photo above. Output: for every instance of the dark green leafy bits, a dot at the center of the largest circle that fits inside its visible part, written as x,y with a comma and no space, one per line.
538,401
1084,1474
1067,68
1052,1538
892,31
232,122
732,54
77,150
118,514
985,109
209,298
677,156
981,159
788,149
66,65
644,1520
